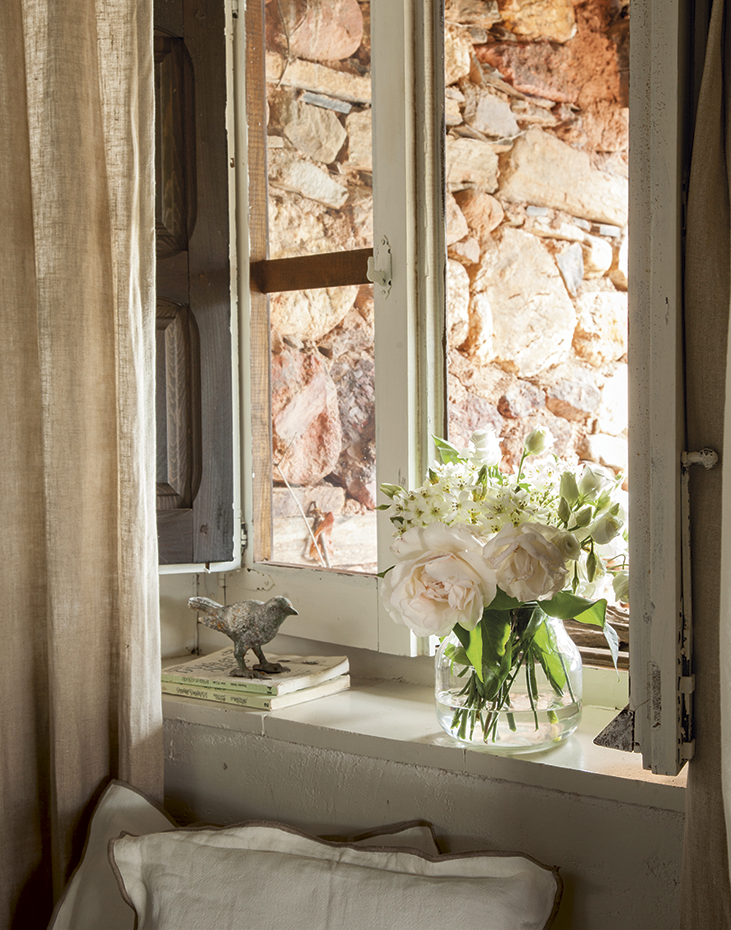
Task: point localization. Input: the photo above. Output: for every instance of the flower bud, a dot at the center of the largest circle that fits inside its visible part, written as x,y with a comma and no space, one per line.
538,441
569,488
605,529
564,511
620,583
594,480
583,517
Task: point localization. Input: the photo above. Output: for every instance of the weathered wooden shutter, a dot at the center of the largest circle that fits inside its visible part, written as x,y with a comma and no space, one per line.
194,373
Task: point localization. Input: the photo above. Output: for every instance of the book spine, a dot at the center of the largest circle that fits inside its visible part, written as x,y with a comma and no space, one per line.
238,699
241,685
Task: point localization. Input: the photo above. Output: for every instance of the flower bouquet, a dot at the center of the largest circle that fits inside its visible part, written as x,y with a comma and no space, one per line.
492,563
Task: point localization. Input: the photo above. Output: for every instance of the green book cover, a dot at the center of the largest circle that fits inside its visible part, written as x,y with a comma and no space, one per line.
214,671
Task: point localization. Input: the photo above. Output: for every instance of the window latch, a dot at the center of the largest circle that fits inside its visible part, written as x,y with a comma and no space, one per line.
379,267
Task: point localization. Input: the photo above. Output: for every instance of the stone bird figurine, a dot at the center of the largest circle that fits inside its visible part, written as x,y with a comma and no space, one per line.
250,624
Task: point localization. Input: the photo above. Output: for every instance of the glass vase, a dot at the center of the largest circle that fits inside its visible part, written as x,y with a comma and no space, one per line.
535,708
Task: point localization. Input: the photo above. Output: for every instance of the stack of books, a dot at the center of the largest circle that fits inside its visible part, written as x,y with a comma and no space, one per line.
209,679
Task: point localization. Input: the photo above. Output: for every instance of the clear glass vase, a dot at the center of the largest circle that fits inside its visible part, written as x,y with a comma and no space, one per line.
535,708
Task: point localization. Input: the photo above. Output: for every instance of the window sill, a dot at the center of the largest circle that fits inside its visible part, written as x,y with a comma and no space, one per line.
395,721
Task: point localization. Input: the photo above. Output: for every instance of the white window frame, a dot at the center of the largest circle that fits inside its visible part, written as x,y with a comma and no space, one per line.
410,352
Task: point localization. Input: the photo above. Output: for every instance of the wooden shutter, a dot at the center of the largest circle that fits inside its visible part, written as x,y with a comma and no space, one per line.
194,376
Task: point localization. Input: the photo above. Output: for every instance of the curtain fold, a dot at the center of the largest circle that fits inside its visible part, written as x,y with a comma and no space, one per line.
80,689
705,886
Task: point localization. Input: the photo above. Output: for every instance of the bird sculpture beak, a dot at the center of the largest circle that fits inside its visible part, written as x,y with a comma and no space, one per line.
293,612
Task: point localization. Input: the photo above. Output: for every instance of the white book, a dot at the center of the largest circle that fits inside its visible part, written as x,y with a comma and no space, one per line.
214,671
259,701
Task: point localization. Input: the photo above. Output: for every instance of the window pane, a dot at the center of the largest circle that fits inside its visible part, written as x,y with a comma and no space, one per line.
323,422
537,210
319,127
537,156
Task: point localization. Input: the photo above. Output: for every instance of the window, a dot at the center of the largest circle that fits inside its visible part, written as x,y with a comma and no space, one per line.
343,607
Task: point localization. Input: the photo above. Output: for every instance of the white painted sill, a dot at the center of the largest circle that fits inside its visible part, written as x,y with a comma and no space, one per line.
395,721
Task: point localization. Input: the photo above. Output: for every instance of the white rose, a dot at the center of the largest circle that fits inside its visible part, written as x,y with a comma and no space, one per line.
440,579
603,530
484,447
528,565
594,480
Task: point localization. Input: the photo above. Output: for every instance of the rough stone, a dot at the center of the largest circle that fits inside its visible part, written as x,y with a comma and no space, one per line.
356,466
539,19
612,415
360,146
315,131
466,251
488,113
520,400
483,212
601,327
533,317
457,53
598,256
458,303
318,30
308,75
618,274
455,221
309,314
306,428
610,451
298,226
582,71
291,173
571,265
468,412
542,170
471,163
452,110
574,396
484,13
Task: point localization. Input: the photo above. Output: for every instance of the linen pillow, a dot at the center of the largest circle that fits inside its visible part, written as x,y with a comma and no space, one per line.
270,877
91,900
409,834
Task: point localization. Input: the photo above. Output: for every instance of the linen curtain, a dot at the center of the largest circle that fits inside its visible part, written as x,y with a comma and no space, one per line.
705,886
79,689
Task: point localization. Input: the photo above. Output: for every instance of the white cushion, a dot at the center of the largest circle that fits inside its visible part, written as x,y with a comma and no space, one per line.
91,900
265,877
411,834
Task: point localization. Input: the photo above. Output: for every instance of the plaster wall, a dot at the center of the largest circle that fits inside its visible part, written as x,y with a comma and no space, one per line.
620,862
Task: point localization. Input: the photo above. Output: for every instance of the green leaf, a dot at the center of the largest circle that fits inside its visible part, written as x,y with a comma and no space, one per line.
543,649
503,601
567,606
495,629
385,571
610,634
462,635
447,452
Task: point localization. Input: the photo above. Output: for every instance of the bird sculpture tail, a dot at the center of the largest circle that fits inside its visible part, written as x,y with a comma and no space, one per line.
212,613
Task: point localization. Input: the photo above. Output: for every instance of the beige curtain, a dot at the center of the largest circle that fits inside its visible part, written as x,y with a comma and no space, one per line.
79,692
705,888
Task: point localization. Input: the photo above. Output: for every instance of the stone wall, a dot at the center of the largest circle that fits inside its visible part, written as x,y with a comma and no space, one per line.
536,113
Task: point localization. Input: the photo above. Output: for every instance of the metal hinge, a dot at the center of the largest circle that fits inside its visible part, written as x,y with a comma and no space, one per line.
235,8
244,538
